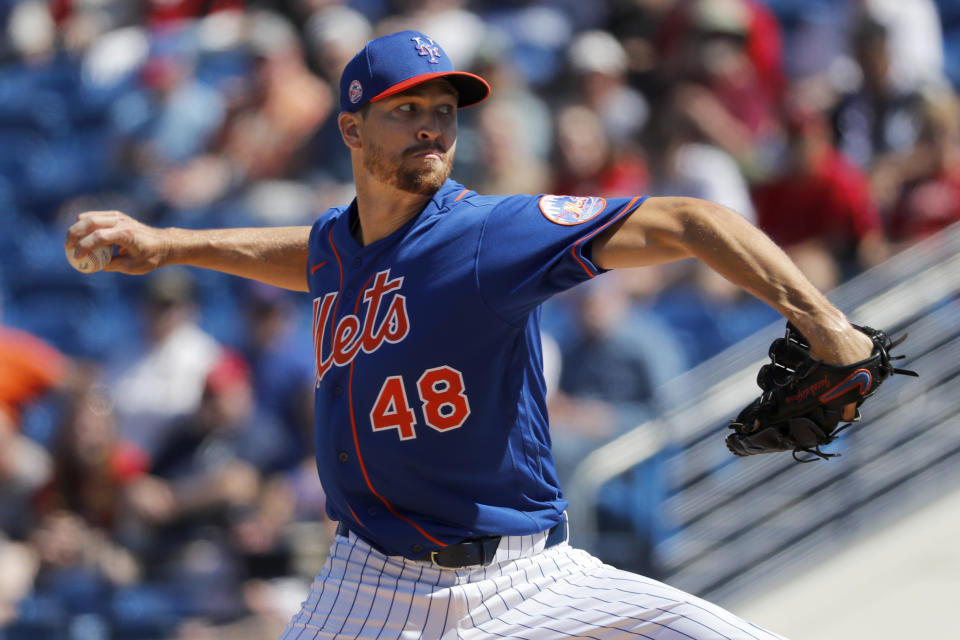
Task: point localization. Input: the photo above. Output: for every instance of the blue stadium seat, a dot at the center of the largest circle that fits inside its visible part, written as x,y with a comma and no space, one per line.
82,315
949,11
67,166
40,617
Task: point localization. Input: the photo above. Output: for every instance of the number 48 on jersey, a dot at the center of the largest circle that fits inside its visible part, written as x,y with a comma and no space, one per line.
443,401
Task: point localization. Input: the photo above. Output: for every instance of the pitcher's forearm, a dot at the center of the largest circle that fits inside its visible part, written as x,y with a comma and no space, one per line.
274,255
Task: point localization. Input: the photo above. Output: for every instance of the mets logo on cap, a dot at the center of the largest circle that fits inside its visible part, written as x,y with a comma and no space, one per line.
570,210
427,47
355,92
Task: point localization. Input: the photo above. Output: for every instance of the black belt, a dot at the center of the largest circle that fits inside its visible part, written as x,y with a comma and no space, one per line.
474,551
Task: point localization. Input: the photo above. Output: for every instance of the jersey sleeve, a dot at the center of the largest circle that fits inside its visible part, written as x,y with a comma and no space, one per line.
533,247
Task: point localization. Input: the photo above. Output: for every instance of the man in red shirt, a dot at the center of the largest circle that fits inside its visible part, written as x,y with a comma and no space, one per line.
820,199
930,199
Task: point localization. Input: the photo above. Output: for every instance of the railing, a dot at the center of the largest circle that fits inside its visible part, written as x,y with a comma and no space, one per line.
725,523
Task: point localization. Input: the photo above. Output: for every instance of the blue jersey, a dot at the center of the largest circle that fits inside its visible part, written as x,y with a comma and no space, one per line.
431,421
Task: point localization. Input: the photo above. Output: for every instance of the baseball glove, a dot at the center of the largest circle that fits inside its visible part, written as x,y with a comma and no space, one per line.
803,399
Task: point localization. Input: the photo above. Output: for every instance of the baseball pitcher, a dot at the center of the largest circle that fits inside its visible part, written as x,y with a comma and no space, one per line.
431,425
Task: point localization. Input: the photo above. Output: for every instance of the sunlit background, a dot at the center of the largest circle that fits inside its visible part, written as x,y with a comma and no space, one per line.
156,471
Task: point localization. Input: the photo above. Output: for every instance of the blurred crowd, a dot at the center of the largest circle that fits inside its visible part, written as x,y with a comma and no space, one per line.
156,465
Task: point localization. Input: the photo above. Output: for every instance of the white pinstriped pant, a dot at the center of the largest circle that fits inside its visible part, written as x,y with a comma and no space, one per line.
527,593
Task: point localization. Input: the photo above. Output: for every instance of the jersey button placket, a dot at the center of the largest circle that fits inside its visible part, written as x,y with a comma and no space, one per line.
356,263
343,456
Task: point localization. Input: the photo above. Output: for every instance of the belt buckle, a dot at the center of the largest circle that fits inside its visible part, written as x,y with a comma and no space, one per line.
486,562
437,565
483,546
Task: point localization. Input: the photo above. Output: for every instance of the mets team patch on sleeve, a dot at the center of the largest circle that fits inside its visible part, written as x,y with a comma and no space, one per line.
569,210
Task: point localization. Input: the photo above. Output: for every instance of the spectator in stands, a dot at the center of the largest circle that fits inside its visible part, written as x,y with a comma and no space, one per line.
532,118
78,517
225,429
814,43
92,466
267,137
721,89
333,32
215,139
24,467
165,380
30,33
598,63
639,26
80,24
282,373
683,162
589,162
930,198
610,370
188,112
30,369
877,124
915,40
507,164
204,507
166,12
819,200
79,570
749,20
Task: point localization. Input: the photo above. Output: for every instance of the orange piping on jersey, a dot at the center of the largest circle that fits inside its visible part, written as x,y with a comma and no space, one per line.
314,268
462,193
576,245
363,289
353,421
356,517
356,441
363,467
339,289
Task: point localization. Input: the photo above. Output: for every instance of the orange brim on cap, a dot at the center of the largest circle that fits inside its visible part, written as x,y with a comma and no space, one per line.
471,88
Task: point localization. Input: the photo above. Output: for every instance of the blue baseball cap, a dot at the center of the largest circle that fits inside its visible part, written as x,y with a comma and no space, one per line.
394,63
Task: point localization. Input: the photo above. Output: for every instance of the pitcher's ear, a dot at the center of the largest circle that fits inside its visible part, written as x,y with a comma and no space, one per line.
350,124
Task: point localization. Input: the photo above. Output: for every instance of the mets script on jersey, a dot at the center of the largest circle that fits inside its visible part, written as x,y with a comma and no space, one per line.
347,338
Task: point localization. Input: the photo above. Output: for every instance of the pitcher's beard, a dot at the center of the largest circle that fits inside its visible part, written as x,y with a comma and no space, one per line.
417,180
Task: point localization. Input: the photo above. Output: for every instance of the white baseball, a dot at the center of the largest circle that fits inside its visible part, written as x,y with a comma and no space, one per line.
94,261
